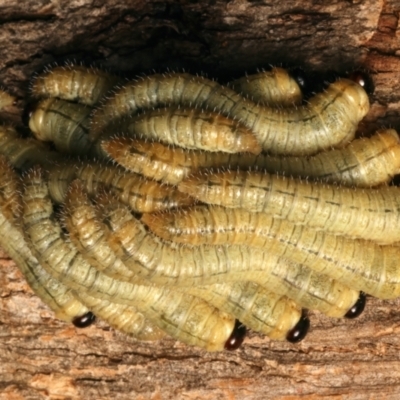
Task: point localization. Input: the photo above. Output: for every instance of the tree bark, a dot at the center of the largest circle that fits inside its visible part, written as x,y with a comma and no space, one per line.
44,358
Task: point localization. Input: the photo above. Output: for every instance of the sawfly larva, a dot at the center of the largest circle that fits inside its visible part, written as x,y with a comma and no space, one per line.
365,162
55,295
169,264
254,306
274,88
264,312
370,214
142,195
121,317
89,235
191,129
74,83
24,153
359,264
64,123
328,120
182,316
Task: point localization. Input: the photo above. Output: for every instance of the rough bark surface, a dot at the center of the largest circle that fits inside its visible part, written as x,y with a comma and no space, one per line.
43,358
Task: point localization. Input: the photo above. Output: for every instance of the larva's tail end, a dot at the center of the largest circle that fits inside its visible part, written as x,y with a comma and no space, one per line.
190,185
160,224
115,147
76,194
249,143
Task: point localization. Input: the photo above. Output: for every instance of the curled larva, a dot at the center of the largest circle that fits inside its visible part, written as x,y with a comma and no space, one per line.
365,162
64,123
191,129
142,195
182,316
88,234
274,88
55,295
370,214
362,265
170,264
259,309
329,119
24,153
251,304
74,83
122,317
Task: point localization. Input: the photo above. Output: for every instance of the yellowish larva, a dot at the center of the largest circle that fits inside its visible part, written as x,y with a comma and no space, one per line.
54,294
64,123
74,83
184,317
141,194
121,317
259,309
191,129
169,264
273,88
370,214
24,153
359,264
329,119
89,235
365,162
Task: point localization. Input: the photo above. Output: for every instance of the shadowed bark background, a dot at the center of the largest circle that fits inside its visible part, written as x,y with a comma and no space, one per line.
43,358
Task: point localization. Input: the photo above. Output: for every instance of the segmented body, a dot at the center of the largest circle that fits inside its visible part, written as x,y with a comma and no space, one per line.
274,88
24,153
370,214
122,317
184,317
141,194
365,162
74,83
259,309
192,129
330,119
169,264
362,265
55,295
64,123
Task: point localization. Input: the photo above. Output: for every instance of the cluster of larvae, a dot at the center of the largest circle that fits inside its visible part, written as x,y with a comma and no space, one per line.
174,205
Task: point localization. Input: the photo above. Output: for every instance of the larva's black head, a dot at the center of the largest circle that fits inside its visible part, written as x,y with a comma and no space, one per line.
357,308
237,336
28,111
363,79
299,332
84,320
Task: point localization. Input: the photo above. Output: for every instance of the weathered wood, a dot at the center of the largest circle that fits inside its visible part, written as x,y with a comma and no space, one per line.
43,358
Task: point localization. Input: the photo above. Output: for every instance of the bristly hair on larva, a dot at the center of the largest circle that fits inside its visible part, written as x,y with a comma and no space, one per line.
74,83
275,88
141,194
190,128
370,214
64,123
185,317
328,120
358,264
365,162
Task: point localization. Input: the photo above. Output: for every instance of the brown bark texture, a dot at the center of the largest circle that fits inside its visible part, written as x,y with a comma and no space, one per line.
44,358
